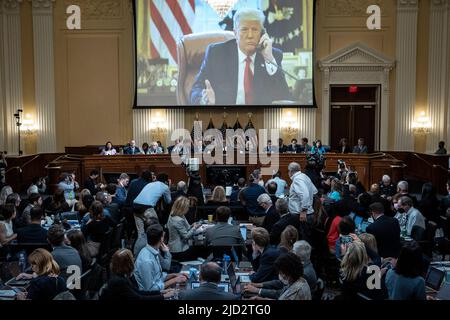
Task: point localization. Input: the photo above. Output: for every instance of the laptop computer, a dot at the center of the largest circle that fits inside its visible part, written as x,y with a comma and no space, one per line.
434,279
223,286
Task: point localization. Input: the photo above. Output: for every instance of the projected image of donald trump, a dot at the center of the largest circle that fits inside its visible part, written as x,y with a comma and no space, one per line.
242,71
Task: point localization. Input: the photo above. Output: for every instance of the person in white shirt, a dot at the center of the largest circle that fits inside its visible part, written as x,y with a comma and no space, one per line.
301,193
109,150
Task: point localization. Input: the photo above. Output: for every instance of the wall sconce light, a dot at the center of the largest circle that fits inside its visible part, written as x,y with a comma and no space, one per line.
158,126
28,128
422,124
289,125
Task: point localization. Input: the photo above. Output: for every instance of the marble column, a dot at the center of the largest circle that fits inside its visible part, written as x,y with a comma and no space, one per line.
438,56
141,125
175,120
12,70
44,75
405,87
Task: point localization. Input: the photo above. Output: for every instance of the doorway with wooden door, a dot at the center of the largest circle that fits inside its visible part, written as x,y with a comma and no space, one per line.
354,115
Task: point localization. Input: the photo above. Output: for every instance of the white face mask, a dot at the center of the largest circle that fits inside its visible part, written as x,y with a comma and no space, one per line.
283,279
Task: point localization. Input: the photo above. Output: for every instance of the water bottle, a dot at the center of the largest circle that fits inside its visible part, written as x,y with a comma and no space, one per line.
177,290
226,261
22,262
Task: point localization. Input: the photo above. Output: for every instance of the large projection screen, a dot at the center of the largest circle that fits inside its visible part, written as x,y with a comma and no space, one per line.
190,53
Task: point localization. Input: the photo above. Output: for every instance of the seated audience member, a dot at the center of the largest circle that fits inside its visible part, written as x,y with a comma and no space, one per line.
14,198
387,188
111,209
121,190
263,256
155,149
96,228
347,235
143,219
120,286
58,203
445,201
429,204
210,275
282,148
339,211
271,215
108,150
304,146
386,231
336,192
180,231
290,273
286,218
352,179
152,192
343,146
249,199
281,184
33,233
136,187
371,248
287,239
360,148
153,261
8,212
63,254
303,250
4,193
410,218
46,281
35,201
441,148
77,241
218,197
404,282
354,276
131,148
293,147
223,234
236,190
318,148
181,191
37,186
402,189
83,208
92,183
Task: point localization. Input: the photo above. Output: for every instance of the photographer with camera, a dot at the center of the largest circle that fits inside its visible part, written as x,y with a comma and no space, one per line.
342,171
3,165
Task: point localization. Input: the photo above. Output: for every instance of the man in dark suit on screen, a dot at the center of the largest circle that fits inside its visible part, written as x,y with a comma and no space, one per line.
243,71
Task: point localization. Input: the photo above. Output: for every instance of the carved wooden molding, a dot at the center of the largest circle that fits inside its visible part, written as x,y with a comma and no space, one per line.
345,8
98,10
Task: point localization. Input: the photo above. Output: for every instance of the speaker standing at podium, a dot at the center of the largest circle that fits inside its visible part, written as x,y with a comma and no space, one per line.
242,71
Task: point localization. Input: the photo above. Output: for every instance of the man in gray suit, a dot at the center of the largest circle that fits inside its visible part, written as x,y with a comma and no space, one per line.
210,275
223,234
360,148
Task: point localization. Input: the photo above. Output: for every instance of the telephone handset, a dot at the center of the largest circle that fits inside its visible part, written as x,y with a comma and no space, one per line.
260,45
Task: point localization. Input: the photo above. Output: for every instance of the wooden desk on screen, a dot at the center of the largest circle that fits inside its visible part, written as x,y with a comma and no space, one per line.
370,167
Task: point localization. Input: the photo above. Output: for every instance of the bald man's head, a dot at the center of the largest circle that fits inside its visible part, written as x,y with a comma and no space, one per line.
210,272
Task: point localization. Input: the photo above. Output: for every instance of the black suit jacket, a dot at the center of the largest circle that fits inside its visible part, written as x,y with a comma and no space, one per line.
386,231
280,225
220,67
296,148
263,265
206,291
128,150
135,188
32,233
271,218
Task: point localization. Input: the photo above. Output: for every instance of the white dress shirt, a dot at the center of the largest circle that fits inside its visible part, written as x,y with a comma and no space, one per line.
270,68
301,194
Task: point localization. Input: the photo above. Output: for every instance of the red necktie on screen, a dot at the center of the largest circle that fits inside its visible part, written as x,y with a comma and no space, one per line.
248,81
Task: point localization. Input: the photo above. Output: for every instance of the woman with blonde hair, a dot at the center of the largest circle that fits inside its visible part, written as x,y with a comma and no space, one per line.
287,239
354,276
218,197
180,231
46,282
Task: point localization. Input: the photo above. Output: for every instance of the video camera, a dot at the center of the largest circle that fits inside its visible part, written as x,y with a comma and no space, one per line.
341,164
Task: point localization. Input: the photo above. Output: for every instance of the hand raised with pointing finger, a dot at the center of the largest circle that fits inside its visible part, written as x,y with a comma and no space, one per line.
208,95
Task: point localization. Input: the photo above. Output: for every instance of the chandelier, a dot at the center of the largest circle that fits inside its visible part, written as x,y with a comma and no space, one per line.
221,6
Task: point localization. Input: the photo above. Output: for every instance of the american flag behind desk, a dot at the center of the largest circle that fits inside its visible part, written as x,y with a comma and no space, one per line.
169,21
